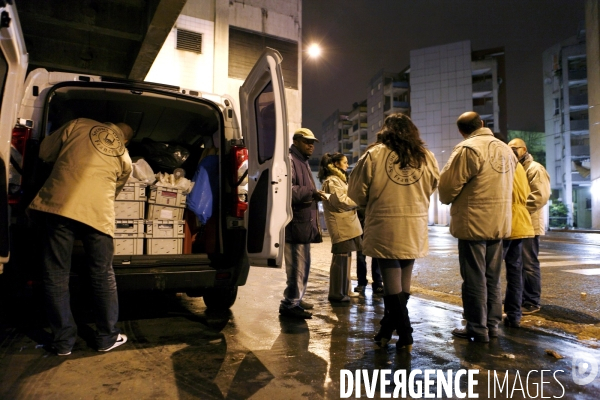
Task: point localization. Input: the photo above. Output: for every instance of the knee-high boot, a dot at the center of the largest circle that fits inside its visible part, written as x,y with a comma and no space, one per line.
403,326
387,324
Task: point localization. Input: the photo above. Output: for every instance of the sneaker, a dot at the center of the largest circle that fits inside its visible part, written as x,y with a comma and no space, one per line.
359,288
306,305
296,312
472,337
63,353
378,290
529,309
511,324
493,332
121,339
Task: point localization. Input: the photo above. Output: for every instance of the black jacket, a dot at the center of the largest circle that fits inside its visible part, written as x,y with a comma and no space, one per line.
304,226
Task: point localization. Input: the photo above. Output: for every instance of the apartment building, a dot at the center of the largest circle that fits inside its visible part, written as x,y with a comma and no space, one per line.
567,127
335,134
446,81
215,43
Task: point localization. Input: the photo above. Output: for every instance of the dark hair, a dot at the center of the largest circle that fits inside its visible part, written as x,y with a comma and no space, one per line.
328,158
401,136
469,123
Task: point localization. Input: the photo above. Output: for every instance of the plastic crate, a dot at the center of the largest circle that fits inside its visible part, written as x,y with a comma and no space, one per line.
129,227
129,209
133,192
164,246
128,246
159,211
168,196
164,228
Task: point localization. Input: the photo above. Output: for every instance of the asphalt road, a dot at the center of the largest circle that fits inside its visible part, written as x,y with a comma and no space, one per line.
177,349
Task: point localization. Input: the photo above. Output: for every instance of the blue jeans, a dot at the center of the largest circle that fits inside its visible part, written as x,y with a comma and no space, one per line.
480,265
532,277
361,271
99,248
297,268
514,279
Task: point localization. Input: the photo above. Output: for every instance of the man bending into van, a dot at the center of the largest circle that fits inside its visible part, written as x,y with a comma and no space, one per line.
91,166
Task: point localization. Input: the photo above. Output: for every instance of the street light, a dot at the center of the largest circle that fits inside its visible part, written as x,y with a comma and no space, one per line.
314,50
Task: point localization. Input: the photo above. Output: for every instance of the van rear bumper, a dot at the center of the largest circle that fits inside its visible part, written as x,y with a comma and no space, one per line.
165,278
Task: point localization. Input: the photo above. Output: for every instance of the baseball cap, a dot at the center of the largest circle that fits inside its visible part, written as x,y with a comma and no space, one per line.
304,133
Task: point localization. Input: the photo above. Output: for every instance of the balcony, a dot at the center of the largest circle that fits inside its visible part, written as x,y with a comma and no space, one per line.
577,75
395,88
484,111
357,126
483,86
578,100
357,113
396,107
580,151
580,125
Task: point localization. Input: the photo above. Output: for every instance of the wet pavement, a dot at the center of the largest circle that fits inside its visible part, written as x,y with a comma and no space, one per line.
179,350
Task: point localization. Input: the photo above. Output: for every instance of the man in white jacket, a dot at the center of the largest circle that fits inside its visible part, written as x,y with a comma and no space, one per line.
477,180
91,166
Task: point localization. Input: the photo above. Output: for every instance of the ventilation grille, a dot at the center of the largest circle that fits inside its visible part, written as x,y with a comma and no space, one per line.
189,41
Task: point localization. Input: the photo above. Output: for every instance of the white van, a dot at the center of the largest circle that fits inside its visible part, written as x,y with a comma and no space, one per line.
249,222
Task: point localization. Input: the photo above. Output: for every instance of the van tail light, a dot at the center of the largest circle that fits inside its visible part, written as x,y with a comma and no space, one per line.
18,145
240,179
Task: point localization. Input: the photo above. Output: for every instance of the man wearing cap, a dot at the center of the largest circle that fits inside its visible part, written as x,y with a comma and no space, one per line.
303,229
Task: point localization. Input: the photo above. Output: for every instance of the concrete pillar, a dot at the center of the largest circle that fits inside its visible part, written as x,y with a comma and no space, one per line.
221,58
592,23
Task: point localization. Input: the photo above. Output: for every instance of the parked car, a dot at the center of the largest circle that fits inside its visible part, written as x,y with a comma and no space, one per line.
252,147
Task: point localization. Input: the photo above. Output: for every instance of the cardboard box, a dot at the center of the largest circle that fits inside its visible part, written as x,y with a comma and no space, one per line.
164,228
164,246
128,246
129,209
133,192
159,211
168,196
129,227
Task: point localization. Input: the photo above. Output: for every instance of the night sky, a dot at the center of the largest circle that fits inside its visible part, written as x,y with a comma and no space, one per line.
359,37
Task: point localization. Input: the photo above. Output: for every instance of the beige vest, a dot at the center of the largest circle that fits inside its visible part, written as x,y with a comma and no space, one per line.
477,180
91,165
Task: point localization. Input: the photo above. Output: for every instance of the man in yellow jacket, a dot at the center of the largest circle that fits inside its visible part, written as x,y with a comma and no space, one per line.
91,166
512,247
539,184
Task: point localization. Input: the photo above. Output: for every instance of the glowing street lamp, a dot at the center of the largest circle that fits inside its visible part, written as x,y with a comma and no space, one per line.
314,50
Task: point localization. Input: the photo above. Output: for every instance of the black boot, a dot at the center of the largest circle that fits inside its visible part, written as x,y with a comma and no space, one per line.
387,325
403,327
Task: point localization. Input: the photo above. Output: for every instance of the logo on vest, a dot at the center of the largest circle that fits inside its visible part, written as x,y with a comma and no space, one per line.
402,176
106,141
497,156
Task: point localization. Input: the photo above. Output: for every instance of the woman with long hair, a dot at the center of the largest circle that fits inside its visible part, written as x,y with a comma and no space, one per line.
342,223
394,180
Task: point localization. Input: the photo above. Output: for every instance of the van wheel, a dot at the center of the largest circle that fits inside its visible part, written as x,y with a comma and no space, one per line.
220,298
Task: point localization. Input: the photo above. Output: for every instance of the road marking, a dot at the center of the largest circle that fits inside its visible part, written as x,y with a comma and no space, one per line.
571,263
590,271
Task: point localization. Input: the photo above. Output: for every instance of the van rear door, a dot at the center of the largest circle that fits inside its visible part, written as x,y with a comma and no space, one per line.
265,129
13,66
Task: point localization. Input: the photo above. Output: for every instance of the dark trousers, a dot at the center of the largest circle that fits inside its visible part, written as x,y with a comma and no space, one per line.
361,271
532,277
514,279
480,264
99,248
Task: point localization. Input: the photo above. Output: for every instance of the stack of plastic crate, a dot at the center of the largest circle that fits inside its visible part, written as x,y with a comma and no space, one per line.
129,219
165,224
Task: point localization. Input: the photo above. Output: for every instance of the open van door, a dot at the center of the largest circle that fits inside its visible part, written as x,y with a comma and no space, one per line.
265,130
13,66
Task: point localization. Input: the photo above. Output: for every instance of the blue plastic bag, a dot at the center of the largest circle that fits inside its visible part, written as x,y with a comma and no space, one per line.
205,193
